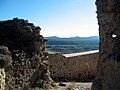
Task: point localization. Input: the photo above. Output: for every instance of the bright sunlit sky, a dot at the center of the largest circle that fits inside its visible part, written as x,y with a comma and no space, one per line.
63,18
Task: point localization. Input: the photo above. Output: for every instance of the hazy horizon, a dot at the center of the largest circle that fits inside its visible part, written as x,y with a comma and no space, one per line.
62,18
72,36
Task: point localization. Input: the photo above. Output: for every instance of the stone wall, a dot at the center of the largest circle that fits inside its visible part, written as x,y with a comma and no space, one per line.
22,55
2,79
76,68
108,71
5,60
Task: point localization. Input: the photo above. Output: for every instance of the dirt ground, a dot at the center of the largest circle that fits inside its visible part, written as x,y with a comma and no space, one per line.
73,86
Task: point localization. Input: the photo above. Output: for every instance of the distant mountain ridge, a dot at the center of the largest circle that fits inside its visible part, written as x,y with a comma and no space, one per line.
73,38
72,44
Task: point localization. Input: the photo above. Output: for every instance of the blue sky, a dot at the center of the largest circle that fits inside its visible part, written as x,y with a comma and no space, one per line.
63,18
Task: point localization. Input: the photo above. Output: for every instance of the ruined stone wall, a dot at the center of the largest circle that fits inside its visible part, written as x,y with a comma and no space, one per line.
2,79
77,68
108,71
21,42
5,60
